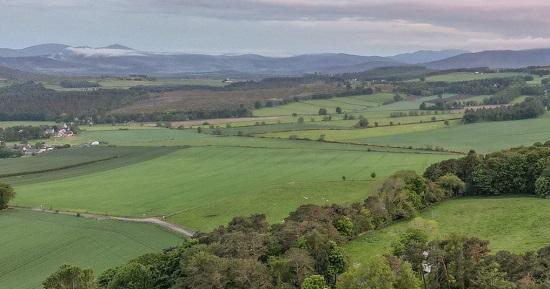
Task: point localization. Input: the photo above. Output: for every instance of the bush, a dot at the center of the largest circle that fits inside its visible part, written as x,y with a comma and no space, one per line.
6,195
315,282
542,187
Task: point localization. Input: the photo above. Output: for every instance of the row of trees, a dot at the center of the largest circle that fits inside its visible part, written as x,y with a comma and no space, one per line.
22,133
523,171
77,83
508,94
472,87
531,107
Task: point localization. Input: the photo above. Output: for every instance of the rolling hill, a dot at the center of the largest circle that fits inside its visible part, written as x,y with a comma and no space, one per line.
424,56
495,59
37,50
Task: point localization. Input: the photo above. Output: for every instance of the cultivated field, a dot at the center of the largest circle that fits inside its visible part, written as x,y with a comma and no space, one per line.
34,244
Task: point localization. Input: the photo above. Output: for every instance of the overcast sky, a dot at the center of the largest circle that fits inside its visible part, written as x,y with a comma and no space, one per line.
278,27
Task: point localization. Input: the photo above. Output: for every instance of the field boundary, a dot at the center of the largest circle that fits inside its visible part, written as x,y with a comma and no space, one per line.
57,169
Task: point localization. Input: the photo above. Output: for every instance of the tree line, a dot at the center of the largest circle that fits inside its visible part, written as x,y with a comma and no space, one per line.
471,87
531,107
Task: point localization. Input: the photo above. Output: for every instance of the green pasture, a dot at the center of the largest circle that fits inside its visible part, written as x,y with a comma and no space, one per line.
350,104
64,163
358,135
482,137
35,244
516,224
203,187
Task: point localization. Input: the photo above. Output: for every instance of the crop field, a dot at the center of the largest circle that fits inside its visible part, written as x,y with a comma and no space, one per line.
509,223
34,244
203,187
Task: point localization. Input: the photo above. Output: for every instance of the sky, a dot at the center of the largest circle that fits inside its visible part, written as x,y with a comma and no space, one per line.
279,27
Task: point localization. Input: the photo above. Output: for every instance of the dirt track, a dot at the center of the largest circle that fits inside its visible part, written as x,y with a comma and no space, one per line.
156,221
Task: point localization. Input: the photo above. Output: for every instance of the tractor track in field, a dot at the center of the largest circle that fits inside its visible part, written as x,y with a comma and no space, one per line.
151,220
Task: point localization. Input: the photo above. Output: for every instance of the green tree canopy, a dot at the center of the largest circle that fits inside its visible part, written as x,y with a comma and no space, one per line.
71,277
6,195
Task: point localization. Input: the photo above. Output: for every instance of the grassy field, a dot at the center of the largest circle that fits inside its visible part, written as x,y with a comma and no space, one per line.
356,135
202,187
65,163
509,223
468,76
483,137
34,244
350,104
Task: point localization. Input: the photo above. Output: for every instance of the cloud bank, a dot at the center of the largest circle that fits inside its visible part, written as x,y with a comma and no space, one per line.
358,26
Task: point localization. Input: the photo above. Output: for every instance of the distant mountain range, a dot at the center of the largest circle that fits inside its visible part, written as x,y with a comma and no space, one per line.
495,59
59,59
424,56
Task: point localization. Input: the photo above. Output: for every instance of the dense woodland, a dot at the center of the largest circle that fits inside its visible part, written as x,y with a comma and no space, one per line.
305,250
532,107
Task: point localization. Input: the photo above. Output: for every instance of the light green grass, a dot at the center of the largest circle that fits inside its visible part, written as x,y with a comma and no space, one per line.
482,137
207,186
468,76
350,104
35,244
355,135
64,163
516,224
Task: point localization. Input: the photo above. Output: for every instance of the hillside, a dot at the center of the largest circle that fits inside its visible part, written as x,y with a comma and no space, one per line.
37,50
424,56
495,59
14,74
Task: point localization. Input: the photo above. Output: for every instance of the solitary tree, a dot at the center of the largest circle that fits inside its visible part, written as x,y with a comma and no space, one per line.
338,110
323,111
6,194
373,175
362,123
